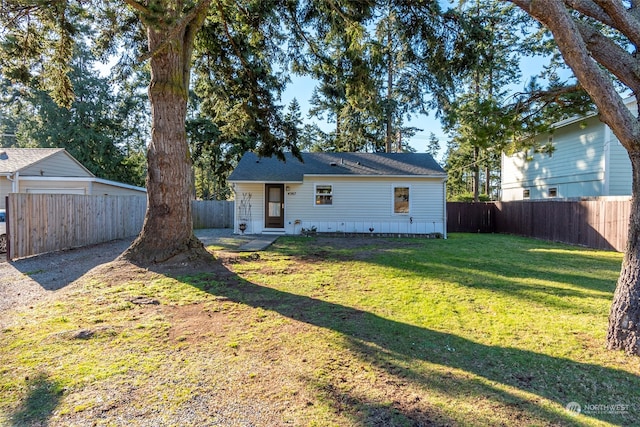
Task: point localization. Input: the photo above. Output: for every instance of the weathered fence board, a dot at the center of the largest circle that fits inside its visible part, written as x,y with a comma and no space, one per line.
40,223
212,214
600,223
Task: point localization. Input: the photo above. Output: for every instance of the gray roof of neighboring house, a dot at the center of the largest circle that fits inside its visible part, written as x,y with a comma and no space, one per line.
15,159
254,168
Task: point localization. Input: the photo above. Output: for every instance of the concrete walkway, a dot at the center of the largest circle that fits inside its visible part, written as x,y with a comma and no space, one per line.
260,243
235,242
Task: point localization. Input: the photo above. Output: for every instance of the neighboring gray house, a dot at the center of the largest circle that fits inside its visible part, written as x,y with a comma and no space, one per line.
52,170
587,161
340,192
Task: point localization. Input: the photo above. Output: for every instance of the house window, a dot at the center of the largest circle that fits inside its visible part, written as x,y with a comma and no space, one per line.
526,194
553,192
401,200
324,195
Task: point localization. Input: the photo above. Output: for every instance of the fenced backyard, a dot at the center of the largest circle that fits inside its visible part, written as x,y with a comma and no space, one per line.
601,223
40,223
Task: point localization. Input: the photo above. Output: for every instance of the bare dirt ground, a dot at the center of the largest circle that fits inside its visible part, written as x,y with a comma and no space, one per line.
27,280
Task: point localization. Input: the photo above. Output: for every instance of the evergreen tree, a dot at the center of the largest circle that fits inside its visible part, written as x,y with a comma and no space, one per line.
97,129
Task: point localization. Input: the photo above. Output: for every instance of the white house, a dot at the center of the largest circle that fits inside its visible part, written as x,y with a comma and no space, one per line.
52,170
340,192
587,160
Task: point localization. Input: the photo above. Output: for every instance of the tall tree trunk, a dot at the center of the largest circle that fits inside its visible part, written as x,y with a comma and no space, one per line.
168,225
476,174
389,113
624,317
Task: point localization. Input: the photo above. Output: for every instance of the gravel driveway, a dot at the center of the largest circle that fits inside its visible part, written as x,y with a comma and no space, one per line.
24,281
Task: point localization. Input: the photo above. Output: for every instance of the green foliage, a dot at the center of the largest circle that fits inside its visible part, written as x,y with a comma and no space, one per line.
485,117
101,128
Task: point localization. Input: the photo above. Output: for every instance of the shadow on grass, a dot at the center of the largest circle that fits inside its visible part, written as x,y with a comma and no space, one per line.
510,265
43,396
391,345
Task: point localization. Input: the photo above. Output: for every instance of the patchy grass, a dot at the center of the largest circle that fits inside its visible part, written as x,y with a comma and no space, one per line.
473,330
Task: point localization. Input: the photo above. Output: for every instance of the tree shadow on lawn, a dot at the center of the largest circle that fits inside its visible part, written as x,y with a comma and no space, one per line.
390,345
42,399
510,265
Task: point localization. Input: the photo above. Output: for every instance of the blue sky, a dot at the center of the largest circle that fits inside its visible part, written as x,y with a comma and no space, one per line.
301,88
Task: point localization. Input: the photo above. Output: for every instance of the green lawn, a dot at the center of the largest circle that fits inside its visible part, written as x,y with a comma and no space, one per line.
472,330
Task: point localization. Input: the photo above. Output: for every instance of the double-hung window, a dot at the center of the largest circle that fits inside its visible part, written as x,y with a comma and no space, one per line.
400,200
324,194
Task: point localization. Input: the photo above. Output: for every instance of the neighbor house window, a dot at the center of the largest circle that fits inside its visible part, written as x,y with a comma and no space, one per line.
526,194
324,195
400,200
553,192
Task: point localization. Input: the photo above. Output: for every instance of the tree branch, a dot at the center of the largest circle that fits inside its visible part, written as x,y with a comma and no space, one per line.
614,58
138,7
178,28
623,21
555,16
590,9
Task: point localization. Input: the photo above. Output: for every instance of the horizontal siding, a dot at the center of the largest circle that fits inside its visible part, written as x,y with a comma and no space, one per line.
358,205
60,164
575,168
54,186
620,170
251,196
5,189
100,189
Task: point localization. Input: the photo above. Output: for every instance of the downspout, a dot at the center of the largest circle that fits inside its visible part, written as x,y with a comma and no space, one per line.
15,182
444,207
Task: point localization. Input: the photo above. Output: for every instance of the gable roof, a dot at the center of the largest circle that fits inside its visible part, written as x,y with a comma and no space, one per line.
14,160
254,168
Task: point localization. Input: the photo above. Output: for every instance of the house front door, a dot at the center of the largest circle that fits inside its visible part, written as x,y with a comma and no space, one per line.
274,206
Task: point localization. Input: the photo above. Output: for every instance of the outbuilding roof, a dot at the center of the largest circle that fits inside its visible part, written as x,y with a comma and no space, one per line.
14,160
271,169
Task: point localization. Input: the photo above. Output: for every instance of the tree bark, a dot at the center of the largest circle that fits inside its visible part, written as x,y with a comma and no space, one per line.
624,317
168,226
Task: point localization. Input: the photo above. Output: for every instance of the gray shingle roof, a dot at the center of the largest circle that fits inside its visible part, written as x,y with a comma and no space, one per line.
254,168
15,159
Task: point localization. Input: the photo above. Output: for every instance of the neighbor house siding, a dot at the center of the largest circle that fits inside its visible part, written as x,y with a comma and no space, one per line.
59,164
576,167
101,189
53,186
5,188
619,169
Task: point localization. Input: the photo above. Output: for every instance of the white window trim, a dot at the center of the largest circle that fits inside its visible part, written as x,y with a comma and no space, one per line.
315,194
393,199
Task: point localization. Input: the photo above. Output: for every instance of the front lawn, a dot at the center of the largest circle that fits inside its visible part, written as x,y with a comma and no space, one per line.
473,330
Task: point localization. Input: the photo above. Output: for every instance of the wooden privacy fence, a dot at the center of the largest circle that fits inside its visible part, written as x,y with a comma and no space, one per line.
40,223
212,214
600,223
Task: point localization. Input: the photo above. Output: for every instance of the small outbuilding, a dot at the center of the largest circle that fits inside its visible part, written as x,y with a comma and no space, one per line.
53,171
381,193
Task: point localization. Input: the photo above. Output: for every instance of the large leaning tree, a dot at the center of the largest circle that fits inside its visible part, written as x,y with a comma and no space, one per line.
599,41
